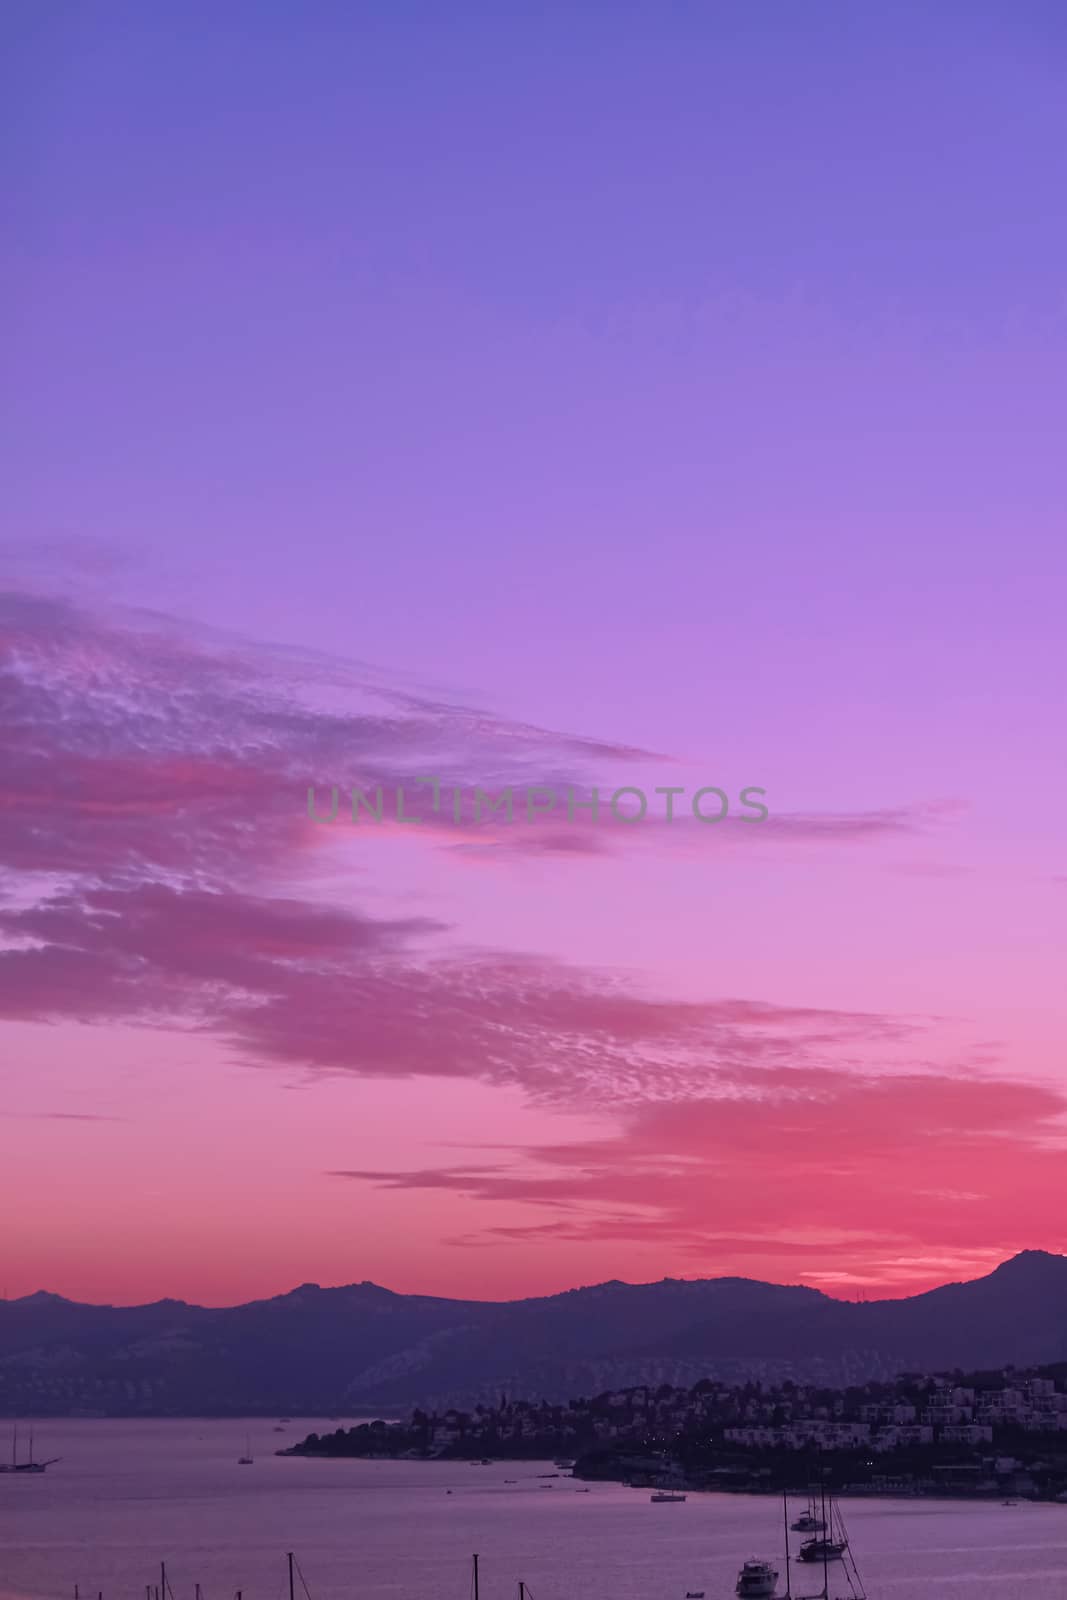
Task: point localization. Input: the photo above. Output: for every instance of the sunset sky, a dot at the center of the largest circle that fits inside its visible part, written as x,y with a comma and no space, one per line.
565,395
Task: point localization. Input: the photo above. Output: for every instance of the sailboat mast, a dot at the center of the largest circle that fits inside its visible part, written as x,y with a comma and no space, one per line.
826,1535
785,1528
292,1589
475,1578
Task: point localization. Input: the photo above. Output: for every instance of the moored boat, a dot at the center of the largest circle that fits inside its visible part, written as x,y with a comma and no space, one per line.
756,1581
29,1465
813,1550
666,1497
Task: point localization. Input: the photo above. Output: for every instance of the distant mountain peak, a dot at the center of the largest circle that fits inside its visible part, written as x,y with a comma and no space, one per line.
320,1351
315,1291
1030,1263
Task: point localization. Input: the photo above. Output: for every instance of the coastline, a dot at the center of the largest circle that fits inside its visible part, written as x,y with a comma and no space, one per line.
753,1488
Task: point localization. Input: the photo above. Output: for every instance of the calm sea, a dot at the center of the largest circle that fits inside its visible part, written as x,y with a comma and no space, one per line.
128,1495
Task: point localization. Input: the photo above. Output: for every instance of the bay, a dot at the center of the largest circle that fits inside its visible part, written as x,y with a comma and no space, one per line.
127,1495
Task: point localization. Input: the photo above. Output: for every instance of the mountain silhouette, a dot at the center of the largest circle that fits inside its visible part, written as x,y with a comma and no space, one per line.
362,1349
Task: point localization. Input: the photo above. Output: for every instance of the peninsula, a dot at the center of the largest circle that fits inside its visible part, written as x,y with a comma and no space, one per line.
980,1433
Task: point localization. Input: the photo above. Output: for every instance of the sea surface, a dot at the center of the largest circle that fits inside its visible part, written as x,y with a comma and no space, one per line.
128,1495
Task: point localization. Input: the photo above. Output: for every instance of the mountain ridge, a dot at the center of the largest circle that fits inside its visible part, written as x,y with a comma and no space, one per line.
359,1347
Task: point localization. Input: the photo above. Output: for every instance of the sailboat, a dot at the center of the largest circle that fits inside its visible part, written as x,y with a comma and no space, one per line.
29,1465
758,1580
246,1459
824,1549
831,1547
809,1521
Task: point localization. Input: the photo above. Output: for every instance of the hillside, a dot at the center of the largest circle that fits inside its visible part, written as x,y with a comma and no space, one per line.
362,1348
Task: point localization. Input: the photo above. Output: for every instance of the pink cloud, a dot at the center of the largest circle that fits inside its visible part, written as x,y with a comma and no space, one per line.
155,793
876,1169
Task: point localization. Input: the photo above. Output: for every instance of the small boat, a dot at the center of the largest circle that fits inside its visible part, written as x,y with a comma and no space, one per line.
756,1581
808,1523
246,1459
666,1497
822,1550
694,1594
29,1465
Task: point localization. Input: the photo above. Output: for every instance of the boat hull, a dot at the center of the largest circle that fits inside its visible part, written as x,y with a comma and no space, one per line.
756,1583
821,1551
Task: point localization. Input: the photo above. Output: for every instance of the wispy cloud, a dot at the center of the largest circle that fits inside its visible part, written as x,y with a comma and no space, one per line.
59,1116
155,779
787,1164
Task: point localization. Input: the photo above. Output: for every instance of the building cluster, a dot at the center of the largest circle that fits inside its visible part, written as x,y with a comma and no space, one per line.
939,1412
877,1418
988,1433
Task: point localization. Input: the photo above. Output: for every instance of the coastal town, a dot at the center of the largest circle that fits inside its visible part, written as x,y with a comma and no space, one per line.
989,1433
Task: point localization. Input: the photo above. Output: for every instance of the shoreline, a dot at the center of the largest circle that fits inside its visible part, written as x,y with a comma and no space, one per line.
850,1491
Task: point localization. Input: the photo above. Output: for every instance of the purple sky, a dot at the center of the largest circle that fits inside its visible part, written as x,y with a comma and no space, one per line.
687,379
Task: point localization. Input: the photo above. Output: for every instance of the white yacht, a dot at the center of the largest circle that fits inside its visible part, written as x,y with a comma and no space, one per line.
756,1581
